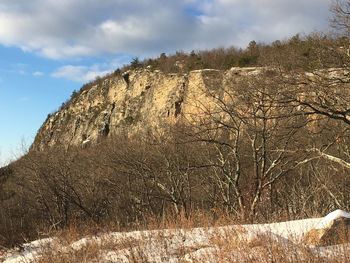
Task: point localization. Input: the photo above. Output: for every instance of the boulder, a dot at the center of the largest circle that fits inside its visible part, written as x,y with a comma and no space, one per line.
332,230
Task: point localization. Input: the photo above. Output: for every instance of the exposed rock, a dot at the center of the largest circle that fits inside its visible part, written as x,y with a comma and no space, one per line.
333,230
138,100
126,76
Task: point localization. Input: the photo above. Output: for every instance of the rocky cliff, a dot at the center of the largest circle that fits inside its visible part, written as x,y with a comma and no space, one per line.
135,101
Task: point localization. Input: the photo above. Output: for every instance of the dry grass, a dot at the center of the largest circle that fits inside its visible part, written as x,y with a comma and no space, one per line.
236,247
89,253
197,218
225,245
225,250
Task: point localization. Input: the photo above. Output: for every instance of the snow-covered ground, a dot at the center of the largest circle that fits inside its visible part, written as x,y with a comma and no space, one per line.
236,243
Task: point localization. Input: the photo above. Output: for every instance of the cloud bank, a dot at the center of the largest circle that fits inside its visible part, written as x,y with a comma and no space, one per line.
79,73
84,74
79,28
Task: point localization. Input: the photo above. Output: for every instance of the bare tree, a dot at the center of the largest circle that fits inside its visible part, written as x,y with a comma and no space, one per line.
253,140
161,172
324,97
340,19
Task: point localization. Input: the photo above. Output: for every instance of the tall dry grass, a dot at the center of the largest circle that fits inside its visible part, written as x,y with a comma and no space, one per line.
226,245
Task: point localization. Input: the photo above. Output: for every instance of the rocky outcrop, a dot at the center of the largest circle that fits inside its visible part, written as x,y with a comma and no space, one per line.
145,99
332,230
135,101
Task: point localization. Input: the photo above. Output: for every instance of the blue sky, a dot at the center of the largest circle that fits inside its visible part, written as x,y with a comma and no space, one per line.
28,94
48,48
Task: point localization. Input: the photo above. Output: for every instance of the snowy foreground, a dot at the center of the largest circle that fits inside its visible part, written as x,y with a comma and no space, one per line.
236,243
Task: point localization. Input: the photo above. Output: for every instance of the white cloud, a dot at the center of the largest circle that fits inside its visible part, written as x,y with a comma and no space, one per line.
38,74
77,28
240,21
83,74
79,73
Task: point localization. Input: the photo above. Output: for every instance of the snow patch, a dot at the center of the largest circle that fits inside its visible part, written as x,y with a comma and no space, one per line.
328,219
192,245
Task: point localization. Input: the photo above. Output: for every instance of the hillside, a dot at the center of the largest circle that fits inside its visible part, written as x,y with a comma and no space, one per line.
186,142
159,139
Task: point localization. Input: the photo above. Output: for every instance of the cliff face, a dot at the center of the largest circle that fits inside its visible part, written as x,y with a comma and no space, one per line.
137,101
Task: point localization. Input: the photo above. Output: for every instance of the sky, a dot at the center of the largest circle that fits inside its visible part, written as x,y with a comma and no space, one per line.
48,48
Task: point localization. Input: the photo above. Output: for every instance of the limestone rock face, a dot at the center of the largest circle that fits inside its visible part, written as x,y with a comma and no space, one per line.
139,100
